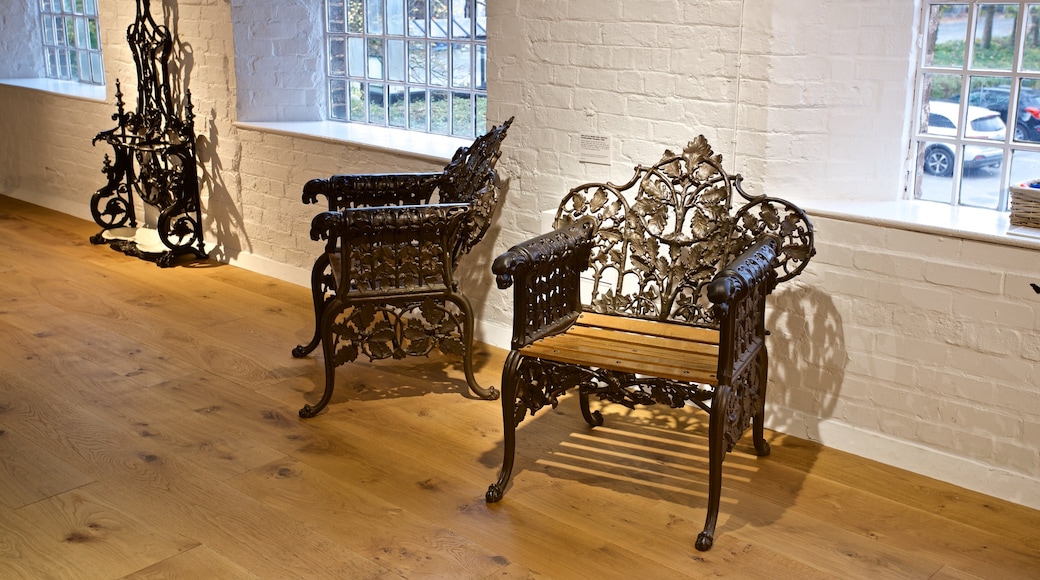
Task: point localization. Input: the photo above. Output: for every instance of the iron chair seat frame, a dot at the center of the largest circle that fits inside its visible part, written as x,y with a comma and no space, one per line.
668,257
385,285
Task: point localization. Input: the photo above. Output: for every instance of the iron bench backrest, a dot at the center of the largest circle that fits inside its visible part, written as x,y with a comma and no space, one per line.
663,236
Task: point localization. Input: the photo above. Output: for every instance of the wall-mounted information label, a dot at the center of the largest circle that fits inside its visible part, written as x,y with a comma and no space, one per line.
595,149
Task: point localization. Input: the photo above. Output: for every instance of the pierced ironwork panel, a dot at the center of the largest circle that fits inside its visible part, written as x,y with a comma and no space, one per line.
380,331
782,219
470,178
664,235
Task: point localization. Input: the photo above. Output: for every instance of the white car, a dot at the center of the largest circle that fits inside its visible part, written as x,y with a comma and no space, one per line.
982,124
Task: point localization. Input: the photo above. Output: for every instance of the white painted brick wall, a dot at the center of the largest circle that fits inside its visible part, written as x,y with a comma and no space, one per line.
938,341
21,55
918,350
278,56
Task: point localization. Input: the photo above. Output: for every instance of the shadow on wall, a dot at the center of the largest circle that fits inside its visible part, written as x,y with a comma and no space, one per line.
807,366
808,360
182,57
474,274
213,192
220,208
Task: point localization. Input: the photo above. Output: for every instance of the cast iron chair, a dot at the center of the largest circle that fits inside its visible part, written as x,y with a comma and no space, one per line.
674,313
385,285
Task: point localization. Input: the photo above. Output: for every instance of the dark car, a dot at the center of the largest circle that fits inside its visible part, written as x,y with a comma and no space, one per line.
1027,124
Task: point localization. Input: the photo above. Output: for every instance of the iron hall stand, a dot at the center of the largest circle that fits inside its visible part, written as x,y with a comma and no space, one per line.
153,159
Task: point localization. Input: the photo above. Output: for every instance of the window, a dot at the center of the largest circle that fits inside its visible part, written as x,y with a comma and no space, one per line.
71,40
979,60
413,64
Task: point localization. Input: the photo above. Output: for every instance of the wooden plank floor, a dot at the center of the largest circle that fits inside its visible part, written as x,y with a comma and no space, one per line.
148,428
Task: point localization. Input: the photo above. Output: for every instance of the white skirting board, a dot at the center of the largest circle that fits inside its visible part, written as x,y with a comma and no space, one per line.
992,481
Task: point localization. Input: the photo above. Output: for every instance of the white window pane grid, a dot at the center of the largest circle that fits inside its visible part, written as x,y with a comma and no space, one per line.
413,64
71,40
979,61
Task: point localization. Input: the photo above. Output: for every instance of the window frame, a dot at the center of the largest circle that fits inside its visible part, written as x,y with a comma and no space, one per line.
65,60
968,71
357,85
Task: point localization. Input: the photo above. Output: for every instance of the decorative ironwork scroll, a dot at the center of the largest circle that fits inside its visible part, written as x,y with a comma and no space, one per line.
153,158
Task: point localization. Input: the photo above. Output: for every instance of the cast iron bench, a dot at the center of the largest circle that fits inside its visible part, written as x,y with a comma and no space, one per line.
672,308
385,284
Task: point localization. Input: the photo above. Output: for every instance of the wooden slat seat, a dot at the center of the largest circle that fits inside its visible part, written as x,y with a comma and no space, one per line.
631,345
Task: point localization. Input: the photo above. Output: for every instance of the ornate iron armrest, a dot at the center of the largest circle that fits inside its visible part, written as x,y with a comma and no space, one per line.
381,248
738,295
386,220
354,191
546,271
764,215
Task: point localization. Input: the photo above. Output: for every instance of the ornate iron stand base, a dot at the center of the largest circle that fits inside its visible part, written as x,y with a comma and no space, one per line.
143,243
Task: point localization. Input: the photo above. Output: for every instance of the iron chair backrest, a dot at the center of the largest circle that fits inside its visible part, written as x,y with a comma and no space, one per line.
663,236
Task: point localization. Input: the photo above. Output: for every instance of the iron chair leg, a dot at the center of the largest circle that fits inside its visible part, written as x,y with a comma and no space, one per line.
758,419
593,418
320,303
489,393
509,422
716,453
332,310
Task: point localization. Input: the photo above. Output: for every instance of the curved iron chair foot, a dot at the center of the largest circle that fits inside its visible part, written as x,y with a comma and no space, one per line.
494,493
302,350
762,448
704,541
308,410
488,394
593,418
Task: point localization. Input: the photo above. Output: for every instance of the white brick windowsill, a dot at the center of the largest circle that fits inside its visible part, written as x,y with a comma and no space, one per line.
929,217
66,88
439,148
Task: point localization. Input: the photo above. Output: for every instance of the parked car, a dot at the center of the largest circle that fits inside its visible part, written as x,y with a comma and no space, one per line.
982,124
1027,123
